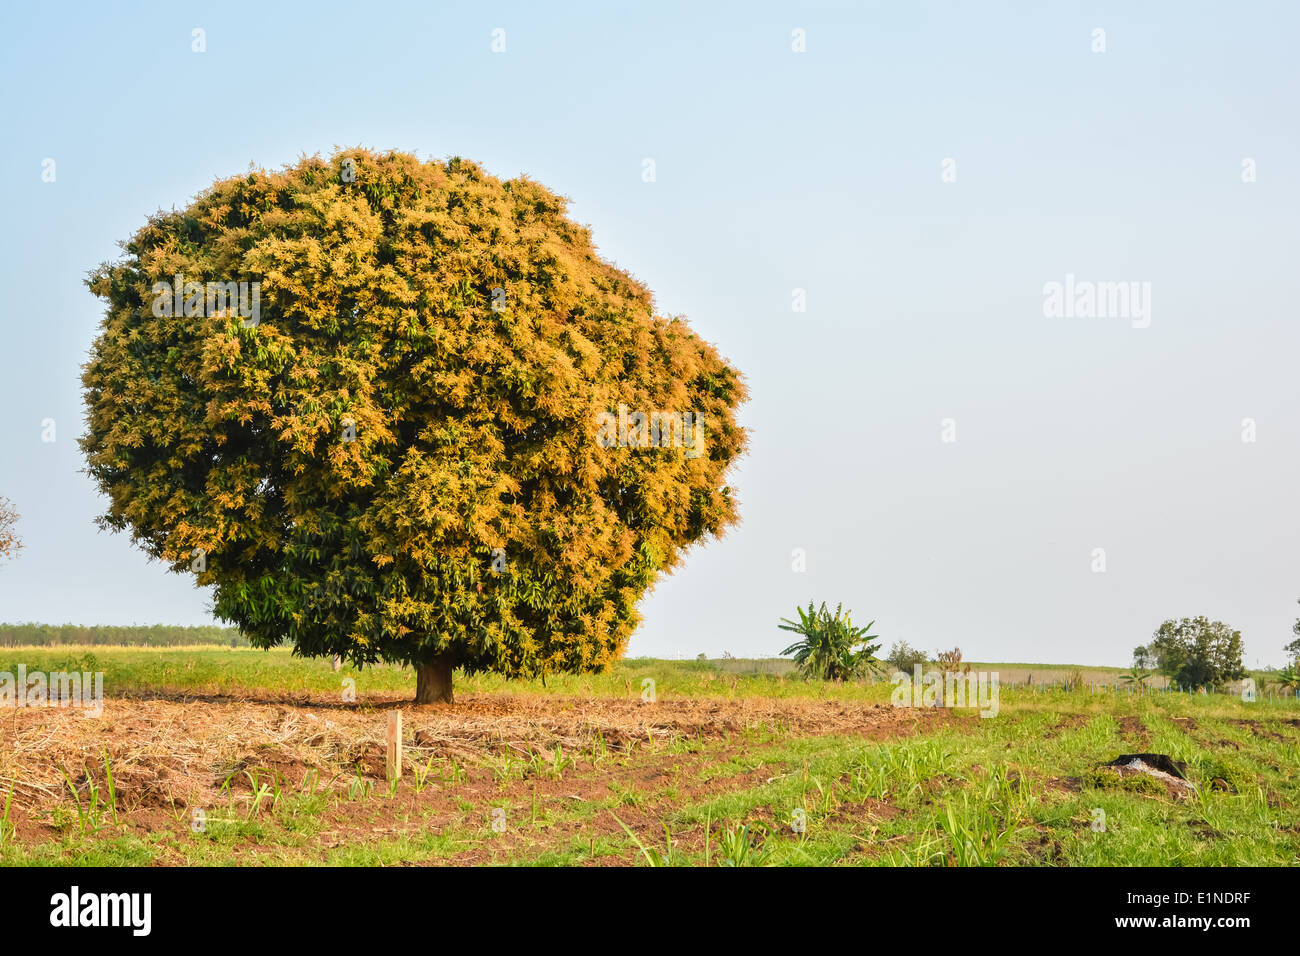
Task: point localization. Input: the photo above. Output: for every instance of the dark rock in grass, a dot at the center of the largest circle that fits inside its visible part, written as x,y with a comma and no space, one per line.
1148,772
1162,762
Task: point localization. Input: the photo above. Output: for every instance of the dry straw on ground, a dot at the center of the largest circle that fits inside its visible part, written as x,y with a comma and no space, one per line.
174,752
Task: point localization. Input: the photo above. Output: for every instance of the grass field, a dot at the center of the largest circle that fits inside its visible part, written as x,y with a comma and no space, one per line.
210,755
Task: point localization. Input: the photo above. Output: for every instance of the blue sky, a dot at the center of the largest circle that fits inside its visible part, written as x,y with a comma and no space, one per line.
775,170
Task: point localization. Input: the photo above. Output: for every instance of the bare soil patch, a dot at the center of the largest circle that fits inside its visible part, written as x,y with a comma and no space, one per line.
1132,728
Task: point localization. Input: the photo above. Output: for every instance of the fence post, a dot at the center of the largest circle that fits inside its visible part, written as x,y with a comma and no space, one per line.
394,745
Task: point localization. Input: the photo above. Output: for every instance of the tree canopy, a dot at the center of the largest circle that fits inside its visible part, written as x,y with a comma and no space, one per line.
1196,652
401,411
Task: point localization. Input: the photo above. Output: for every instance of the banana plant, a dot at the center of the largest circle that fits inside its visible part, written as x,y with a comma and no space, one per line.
831,648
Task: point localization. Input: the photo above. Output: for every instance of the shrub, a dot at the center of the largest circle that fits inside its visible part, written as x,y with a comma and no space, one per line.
1288,678
9,540
831,648
949,661
903,657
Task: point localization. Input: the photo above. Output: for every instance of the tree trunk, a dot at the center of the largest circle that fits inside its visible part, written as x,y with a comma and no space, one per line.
433,680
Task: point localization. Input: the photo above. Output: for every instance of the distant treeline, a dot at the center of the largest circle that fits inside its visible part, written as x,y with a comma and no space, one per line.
156,635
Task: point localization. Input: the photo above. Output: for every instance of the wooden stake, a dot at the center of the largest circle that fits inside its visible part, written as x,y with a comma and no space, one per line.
394,745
